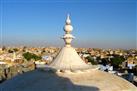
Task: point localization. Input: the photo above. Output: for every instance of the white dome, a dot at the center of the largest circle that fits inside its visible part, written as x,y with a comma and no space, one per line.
68,59
40,80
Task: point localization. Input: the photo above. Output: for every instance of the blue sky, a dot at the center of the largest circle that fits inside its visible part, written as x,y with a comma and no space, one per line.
97,23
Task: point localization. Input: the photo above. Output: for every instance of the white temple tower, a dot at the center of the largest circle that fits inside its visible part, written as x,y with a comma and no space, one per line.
68,59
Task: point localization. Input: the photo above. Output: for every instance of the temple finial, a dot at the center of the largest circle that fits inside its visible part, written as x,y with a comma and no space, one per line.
68,27
68,59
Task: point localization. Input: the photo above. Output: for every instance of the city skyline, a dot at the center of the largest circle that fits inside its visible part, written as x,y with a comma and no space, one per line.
97,24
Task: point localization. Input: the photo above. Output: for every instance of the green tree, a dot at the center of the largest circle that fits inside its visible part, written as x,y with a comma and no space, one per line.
90,59
3,48
15,49
28,56
117,60
10,51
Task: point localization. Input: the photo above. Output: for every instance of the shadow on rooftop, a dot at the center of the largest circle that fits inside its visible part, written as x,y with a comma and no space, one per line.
40,80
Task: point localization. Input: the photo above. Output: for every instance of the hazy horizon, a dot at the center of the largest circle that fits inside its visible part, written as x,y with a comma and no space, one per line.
97,23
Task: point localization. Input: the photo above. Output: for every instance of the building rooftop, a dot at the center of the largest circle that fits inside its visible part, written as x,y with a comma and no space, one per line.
41,80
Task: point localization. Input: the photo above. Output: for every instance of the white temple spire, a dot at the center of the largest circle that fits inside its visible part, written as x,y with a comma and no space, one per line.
68,28
68,59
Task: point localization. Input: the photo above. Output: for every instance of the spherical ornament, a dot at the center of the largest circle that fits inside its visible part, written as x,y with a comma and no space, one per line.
68,28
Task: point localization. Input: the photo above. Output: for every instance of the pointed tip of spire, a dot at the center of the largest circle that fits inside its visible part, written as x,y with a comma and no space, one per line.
68,16
68,21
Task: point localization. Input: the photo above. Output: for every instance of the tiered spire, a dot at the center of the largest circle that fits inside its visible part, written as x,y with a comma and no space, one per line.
68,59
68,29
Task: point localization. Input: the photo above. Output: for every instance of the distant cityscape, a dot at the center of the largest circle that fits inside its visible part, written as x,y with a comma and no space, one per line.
33,57
17,60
